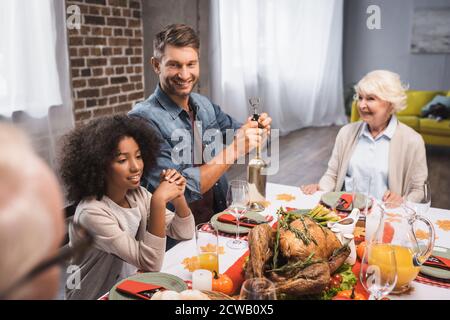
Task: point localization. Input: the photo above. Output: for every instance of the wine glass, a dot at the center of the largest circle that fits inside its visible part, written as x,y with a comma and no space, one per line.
419,198
363,188
258,289
360,187
354,190
237,202
378,273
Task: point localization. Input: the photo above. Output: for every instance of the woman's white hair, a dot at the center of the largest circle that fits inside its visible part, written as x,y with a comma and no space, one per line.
386,85
26,233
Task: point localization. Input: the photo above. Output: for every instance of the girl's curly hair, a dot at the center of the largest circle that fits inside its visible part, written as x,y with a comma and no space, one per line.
88,151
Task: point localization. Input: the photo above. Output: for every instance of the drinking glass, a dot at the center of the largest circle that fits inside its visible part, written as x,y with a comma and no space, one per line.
258,289
365,191
419,198
372,220
237,202
361,194
207,240
378,273
353,191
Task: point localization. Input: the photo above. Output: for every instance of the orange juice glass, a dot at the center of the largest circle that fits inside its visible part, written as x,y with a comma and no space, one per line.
406,271
207,240
209,261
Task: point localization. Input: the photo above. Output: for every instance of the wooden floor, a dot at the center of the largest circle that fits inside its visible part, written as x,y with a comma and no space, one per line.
304,156
438,159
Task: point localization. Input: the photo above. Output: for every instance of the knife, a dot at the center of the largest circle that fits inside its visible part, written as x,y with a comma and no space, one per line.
251,221
244,221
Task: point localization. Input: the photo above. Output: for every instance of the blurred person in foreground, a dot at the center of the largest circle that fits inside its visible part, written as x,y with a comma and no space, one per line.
31,219
378,148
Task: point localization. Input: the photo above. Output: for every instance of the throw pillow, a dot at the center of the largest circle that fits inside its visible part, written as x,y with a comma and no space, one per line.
438,108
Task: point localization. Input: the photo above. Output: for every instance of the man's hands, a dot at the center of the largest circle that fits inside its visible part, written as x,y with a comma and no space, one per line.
264,120
252,134
245,139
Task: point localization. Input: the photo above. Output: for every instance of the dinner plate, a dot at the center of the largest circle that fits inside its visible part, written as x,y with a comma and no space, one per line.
232,228
330,198
168,281
300,211
436,272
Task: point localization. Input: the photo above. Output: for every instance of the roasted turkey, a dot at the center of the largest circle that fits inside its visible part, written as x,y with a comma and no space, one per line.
301,261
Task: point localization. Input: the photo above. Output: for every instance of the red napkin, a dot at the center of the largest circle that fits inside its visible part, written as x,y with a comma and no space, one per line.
438,262
229,218
345,201
139,289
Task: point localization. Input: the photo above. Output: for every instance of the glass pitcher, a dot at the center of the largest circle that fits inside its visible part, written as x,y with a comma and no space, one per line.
396,232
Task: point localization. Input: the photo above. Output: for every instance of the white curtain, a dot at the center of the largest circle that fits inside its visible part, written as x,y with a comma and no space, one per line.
34,71
287,52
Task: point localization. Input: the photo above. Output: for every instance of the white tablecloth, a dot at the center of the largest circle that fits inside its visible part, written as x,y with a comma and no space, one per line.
174,257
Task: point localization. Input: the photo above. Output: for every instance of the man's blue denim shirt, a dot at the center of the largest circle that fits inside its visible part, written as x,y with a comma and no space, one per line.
165,117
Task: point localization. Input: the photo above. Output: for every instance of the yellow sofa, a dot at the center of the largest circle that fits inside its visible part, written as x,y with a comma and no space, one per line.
432,131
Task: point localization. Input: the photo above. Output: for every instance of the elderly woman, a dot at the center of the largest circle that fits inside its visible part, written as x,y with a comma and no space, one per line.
378,148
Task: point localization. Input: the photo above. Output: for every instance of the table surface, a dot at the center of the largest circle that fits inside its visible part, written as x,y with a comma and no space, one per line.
174,257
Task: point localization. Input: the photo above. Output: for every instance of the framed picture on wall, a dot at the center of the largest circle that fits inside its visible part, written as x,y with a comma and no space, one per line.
431,31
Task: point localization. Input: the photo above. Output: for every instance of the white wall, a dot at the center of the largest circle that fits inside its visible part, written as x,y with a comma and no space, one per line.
389,47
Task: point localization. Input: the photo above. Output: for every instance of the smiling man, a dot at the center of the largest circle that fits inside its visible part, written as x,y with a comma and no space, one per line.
173,106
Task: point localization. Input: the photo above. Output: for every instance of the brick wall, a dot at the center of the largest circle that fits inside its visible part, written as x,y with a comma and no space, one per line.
106,57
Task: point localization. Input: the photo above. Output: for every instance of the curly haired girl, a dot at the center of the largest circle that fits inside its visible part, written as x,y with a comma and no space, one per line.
102,165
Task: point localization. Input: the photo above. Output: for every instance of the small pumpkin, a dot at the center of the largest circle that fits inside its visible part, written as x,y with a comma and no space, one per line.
349,295
222,283
360,249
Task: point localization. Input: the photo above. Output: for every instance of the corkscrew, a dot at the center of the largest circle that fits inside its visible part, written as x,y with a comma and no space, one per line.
254,103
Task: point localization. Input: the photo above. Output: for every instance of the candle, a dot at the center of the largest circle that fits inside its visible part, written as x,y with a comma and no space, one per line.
202,280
